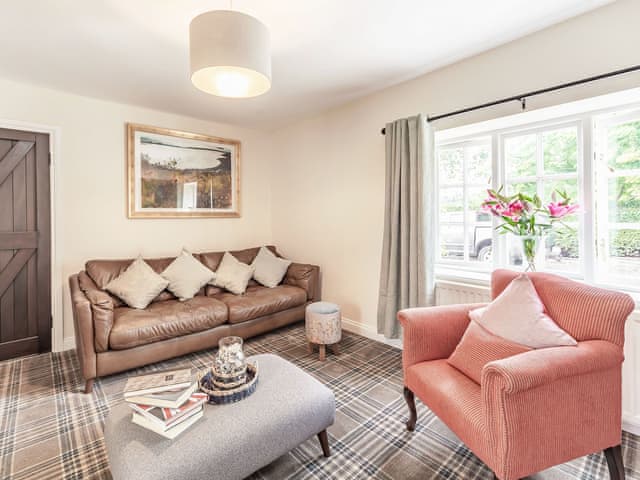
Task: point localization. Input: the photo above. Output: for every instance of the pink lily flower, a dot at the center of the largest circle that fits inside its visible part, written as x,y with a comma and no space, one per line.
559,210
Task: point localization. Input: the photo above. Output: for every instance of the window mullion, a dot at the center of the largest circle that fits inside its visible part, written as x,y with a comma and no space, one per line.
465,226
587,167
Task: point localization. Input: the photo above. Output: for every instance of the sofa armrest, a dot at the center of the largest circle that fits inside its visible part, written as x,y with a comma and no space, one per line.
83,323
306,277
534,368
101,309
432,333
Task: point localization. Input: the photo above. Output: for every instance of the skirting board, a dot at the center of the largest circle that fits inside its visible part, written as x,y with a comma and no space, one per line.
631,424
368,331
69,343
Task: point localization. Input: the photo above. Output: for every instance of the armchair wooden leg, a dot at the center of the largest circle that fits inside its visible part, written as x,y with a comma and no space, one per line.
614,461
411,403
88,386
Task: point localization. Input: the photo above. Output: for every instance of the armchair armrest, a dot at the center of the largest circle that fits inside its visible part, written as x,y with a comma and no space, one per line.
532,369
432,333
306,277
101,310
564,400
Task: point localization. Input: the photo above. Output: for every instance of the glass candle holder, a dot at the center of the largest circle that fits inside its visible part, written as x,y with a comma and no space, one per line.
230,359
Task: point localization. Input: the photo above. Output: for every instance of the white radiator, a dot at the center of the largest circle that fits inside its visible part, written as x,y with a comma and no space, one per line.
448,293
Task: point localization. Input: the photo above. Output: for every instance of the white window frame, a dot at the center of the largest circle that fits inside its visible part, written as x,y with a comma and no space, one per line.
600,240
541,176
465,185
584,114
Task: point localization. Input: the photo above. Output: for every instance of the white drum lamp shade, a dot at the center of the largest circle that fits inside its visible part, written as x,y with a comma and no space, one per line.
230,54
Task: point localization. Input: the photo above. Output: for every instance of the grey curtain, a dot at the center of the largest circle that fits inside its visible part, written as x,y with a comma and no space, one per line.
406,277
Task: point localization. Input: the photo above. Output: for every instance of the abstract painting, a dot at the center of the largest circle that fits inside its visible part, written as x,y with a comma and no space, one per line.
180,174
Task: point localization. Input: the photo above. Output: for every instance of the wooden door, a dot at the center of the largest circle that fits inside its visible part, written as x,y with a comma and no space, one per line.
25,244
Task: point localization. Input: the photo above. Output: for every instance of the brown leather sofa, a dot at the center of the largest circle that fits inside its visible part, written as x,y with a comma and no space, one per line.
111,337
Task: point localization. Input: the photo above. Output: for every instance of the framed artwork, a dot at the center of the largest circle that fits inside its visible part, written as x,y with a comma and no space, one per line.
173,174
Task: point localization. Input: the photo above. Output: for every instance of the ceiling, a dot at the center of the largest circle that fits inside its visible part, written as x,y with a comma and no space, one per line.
325,52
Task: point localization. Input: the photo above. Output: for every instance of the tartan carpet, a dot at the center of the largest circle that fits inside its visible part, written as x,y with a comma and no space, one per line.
50,430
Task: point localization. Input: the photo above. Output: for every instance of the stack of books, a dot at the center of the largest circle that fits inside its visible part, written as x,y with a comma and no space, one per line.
167,403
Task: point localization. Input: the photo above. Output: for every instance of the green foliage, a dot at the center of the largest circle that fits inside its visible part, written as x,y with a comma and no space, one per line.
560,150
624,146
625,243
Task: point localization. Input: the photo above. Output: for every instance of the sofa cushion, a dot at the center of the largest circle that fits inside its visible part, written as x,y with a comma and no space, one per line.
232,274
186,276
138,285
103,271
163,320
260,301
269,269
478,347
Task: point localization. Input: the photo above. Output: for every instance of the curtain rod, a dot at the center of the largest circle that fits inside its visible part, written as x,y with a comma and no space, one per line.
523,96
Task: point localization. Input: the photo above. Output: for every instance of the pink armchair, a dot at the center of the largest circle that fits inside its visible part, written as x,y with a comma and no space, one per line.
536,409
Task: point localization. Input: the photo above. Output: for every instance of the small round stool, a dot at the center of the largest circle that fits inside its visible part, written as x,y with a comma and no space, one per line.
323,326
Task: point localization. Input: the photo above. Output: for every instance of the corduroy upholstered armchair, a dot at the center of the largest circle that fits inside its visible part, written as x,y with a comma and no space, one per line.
536,409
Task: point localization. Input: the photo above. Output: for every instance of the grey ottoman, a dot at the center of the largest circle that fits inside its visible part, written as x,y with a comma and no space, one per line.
230,441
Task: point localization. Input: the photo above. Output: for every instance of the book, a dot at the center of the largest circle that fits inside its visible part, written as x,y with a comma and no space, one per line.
172,432
158,382
166,418
176,415
168,399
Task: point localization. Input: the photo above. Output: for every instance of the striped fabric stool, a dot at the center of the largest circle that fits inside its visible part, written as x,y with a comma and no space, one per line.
323,325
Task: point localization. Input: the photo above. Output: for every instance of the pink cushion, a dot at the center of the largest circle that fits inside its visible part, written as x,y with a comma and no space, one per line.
517,315
479,347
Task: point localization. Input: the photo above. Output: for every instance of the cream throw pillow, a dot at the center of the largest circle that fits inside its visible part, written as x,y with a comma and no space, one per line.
232,274
269,269
186,276
517,315
138,285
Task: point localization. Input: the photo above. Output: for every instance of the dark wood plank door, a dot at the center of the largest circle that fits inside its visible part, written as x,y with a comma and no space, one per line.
25,244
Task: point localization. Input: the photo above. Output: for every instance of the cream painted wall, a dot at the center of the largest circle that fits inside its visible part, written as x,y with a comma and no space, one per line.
90,175
328,175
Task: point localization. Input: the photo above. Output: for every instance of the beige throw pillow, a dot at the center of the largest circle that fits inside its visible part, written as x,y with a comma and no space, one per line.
269,269
232,274
138,285
517,314
186,276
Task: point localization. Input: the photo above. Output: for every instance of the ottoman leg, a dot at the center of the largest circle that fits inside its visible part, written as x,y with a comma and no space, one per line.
324,443
336,348
323,350
310,347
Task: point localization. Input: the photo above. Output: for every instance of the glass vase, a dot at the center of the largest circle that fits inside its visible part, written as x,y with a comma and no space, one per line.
230,359
531,250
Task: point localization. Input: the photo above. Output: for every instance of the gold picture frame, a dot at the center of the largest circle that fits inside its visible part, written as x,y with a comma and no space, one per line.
176,174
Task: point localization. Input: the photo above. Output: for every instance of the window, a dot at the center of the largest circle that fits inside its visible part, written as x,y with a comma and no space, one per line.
593,156
618,199
464,170
545,161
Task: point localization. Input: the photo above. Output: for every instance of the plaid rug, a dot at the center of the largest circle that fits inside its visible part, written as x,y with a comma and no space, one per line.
50,430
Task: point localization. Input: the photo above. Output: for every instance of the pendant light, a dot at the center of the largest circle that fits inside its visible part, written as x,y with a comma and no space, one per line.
230,54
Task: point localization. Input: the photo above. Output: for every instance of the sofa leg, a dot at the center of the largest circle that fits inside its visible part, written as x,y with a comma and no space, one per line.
324,443
411,403
614,461
88,386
